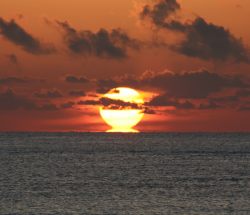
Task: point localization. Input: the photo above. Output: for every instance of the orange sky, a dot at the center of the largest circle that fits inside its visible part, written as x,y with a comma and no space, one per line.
157,53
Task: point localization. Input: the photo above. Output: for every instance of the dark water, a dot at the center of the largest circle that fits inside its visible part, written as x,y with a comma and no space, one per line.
83,173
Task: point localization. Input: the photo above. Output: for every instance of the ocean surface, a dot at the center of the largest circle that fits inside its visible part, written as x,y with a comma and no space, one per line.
144,173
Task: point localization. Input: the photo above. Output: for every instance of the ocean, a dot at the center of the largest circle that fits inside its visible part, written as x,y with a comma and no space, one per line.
136,173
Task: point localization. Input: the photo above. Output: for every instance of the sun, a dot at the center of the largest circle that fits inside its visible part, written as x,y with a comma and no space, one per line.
122,109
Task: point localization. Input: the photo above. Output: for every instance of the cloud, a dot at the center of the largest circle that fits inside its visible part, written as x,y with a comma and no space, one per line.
198,84
48,94
160,13
48,107
12,80
103,44
67,105
186,85
209,41
104,85
17,35
76,80
89,102
113,104
244,107
12,58
164,100
201,39
225,99
76,93
209,105
243,93
116,104
161,100
148,110
185,105
11,101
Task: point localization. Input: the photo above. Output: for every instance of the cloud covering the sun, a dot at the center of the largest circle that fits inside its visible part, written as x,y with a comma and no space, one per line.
194,84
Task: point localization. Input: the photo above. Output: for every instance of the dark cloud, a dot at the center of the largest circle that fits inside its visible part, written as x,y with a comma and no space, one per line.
76,80
209,105
202,39
67,105
12,58
175,86
148,110
198,84
188,85
225,99
50,94
113,104
208,41
165,100
12,80
243,93
89,102
104,44
77,93
20,80
245,107
48,107
17,35
116,104
162,100
104,85
9,100
161,12
185,105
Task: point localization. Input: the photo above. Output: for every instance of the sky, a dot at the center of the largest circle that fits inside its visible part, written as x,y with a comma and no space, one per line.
190,60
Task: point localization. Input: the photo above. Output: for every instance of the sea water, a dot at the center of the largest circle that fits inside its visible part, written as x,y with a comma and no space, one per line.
144,173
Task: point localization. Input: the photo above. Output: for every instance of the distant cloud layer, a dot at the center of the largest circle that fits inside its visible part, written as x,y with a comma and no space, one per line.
12,80
76,80
50,94
14,33
194,90
189,85
11,101
76,93
194,85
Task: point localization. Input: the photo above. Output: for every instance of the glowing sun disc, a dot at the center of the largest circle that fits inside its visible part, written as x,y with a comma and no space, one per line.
123,119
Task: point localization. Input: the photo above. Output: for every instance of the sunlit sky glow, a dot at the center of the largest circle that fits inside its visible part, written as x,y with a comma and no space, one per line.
190,61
